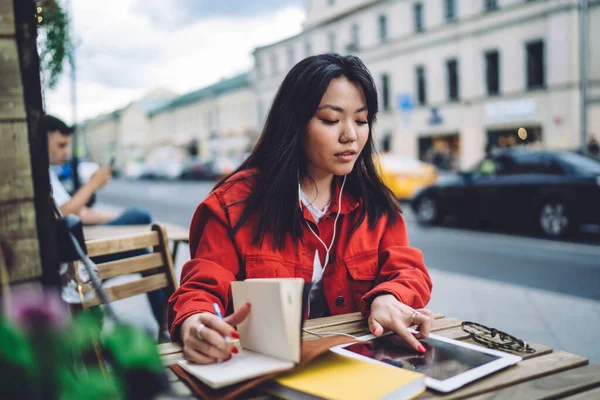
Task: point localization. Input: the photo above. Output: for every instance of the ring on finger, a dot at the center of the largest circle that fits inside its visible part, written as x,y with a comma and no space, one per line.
199,329
412,317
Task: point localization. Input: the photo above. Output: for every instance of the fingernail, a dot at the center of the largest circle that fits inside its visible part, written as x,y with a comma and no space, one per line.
421,348
229,358
235,335
234,350
248,305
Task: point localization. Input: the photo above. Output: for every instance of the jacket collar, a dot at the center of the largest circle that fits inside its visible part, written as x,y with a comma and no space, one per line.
349,203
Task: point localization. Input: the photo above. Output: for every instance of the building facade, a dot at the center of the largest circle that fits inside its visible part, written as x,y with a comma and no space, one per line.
100,137
455,77
219,120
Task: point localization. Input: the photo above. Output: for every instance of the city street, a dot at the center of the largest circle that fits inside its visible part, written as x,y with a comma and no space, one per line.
563,267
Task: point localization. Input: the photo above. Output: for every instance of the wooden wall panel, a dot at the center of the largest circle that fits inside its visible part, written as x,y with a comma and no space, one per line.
15,180
12,105
7,18
18,235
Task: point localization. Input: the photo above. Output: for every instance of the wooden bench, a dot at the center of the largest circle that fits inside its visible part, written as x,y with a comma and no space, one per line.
175,233
543,374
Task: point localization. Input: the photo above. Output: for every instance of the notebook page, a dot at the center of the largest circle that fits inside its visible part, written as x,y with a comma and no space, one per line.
292,306
242,366
264,330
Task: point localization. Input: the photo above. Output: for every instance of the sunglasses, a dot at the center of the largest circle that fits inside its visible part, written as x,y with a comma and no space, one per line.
495,339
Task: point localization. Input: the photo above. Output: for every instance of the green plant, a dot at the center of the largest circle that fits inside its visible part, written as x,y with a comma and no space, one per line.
54,42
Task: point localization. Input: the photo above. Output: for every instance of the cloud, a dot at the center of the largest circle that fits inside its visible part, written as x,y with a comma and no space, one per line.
175,14
121,54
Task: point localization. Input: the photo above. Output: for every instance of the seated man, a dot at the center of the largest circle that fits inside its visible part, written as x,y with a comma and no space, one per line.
59,140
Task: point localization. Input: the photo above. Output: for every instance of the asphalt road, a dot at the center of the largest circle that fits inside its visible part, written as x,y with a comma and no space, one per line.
566,267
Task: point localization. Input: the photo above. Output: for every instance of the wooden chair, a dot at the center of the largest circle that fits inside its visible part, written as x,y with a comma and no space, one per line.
156,267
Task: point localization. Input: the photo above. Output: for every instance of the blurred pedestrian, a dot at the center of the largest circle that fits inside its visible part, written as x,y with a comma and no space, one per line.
59,141
593,148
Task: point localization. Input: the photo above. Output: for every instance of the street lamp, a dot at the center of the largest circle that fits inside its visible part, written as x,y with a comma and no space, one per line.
583,51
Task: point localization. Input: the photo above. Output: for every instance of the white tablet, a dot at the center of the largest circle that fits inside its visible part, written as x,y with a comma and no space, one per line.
447,364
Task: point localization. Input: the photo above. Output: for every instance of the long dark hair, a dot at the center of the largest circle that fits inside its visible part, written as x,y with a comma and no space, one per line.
279,158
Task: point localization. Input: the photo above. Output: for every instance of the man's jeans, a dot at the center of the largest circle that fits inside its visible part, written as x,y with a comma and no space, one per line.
132,216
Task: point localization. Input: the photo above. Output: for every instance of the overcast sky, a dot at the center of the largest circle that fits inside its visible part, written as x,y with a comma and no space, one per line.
126,48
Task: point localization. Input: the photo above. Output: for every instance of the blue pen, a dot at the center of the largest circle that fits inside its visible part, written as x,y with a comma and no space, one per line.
218,313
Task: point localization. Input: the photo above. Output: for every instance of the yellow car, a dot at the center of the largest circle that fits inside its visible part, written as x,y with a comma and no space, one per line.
404,175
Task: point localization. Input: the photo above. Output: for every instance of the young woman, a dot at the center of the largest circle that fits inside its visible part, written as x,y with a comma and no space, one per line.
307,202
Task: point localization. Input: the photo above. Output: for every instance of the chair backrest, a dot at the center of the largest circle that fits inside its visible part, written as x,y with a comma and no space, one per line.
156,267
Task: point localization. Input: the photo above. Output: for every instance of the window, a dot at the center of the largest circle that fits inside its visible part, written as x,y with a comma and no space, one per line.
355,35
274,64
331,38
307,48
535,65
421,86
291,56
385,92
490,5
452,71
383,33
492,72
418,16
450,10
535,163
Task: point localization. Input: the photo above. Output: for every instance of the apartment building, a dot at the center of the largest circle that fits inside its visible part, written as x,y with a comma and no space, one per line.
455,77
219,119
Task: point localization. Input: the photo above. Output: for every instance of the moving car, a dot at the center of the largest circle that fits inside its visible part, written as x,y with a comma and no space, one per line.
404,175
552,191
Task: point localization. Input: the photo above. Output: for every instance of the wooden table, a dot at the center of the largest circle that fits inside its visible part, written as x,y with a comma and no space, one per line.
543,374
175,233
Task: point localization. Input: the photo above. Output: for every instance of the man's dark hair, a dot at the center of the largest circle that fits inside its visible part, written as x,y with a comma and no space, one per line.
279,157
52,124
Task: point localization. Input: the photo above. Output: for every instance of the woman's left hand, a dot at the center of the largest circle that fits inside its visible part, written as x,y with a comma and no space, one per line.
388,313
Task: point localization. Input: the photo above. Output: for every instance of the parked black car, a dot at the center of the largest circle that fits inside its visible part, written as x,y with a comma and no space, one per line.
552,191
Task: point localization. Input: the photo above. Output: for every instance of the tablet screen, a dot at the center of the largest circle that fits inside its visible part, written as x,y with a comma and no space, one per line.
441,361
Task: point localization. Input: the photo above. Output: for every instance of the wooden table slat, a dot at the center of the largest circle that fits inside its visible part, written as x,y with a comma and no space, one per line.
524,371
169,359
169,348
540,349
552,386
319,323
593,394
445,323
455,333
174,232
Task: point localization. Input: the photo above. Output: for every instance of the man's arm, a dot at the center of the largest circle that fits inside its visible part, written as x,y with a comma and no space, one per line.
76,204
91,216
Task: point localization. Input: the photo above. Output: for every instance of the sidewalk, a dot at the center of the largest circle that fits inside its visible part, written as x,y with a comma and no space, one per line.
560,321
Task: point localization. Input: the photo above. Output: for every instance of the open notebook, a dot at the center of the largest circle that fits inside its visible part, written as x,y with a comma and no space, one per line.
270,335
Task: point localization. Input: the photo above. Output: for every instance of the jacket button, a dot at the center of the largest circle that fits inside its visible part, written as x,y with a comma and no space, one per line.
339,301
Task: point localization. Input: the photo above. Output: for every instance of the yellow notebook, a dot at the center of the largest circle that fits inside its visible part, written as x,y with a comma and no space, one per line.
332,376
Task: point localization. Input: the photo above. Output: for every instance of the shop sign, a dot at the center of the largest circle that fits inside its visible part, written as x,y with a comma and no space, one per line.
513,110
404,102
434,117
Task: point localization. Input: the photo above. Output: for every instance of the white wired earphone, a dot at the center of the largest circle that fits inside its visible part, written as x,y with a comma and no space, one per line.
327,250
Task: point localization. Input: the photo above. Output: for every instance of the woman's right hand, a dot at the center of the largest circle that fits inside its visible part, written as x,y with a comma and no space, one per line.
203,336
